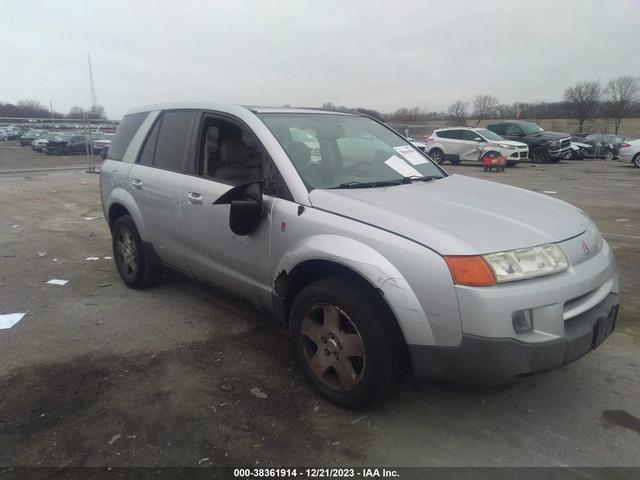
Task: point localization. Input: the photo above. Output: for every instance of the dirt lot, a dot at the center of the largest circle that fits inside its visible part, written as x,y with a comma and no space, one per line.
97,374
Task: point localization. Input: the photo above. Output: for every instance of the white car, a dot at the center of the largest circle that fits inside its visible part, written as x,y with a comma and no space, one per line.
40,144
464,143
630,152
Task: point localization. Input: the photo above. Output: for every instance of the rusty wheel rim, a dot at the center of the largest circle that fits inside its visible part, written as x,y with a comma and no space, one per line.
333,347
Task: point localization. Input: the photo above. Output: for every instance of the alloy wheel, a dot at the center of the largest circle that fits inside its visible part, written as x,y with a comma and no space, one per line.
333,347
127,253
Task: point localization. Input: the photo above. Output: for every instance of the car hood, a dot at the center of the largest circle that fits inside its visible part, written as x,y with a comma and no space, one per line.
458,215
581,144
551,135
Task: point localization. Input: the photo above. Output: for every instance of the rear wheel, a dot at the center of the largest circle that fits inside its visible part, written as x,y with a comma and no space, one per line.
437,156
135,266
346,341
636,160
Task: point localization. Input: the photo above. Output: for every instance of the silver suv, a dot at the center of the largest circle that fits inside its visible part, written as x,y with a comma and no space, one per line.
365,249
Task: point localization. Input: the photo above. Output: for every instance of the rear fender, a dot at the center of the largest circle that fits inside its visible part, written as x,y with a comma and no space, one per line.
121,196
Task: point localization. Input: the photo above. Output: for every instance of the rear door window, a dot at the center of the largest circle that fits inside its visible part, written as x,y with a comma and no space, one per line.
470,135
514,130
125,132
451,134
175,128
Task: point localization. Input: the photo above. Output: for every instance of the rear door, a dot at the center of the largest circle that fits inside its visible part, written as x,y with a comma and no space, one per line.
451,140
155,182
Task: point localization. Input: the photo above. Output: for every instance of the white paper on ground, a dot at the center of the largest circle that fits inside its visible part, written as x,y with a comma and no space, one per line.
549,191
55,281
93,258
108,258
10,319
89,218
410,154
402,167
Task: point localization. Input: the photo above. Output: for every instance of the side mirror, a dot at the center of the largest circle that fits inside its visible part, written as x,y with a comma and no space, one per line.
245,215
477,139
246,207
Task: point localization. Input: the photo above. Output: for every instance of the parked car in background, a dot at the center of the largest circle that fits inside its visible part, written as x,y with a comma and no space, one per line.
68,144
630,152
101,141
372,258
604,145
465,143
40,143
30,136
579,149
4,135
544,146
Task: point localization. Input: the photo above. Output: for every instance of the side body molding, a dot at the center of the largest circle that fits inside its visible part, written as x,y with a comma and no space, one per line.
373,267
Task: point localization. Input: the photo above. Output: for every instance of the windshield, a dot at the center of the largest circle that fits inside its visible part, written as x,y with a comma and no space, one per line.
530,128
343,151
488,134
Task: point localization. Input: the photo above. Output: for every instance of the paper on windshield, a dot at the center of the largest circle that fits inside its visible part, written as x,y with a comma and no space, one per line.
410,154
402,167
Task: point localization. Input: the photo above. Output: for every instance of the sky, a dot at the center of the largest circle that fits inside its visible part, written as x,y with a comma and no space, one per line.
375,54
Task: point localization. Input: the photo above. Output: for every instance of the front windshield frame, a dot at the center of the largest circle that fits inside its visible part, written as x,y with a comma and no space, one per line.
489,135
362,135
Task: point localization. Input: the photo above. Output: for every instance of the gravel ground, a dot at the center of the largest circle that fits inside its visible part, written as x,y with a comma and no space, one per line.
97,374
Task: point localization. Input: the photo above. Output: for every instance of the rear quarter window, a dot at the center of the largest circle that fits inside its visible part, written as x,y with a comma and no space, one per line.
125,132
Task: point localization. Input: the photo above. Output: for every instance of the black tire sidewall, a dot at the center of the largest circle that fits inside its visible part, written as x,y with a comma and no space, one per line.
378,331
636,161
439,161
140,279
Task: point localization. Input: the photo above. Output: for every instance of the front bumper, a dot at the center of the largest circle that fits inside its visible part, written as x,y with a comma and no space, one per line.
494,361
559,153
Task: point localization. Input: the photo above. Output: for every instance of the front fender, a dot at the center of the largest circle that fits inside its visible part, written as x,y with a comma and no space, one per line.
373,267
120,196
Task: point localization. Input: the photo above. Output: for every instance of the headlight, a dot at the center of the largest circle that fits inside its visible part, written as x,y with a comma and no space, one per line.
504,145
554,143
527,263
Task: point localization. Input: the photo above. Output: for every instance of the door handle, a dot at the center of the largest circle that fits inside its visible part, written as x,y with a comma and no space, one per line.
136,183
195,198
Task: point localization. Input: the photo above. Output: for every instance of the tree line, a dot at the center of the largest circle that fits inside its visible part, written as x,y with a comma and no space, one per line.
617,99
35,109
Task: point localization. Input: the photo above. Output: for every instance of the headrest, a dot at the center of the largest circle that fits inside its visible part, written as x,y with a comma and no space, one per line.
232,151
300,153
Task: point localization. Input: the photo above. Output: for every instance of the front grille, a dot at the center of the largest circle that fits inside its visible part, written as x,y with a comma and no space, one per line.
566,143
524,154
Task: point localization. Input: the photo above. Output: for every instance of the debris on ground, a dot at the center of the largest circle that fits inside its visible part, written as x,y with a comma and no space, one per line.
90,218
105,284
226,387
115,438
57,281
259,393
92,258
10,319
203,460
41,254
353,422
622,219
549,191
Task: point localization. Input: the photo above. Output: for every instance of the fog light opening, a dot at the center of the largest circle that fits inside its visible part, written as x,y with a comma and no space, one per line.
522,321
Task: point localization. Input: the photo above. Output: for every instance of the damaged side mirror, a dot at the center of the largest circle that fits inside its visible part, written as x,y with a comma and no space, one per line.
245,210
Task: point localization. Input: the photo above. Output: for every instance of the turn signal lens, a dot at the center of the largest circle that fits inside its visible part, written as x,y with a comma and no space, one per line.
472,271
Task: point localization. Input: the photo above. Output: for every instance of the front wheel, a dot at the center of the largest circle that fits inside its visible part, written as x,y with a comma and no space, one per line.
135,266
346,341
540,155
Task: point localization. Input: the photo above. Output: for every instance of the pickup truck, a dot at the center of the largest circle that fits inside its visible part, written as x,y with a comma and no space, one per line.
544,146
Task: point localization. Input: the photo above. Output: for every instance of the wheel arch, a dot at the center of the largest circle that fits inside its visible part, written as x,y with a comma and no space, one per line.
122,203
330,255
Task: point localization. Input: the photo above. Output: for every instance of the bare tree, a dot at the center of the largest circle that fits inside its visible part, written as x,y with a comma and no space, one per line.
75,112
484,106
583,99
458,112
621,92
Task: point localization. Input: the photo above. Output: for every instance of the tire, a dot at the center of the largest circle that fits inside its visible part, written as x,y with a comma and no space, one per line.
608,155
137,272
636,161
540,155
358,321
437,156
455,162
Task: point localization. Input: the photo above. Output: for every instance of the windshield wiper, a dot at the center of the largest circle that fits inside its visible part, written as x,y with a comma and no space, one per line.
386,183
